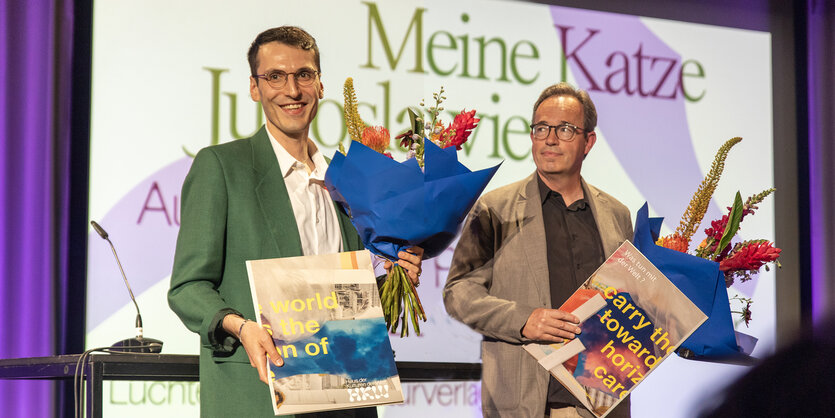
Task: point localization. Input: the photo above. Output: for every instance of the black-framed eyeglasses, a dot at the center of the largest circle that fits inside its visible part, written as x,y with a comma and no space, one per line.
278,79
565,131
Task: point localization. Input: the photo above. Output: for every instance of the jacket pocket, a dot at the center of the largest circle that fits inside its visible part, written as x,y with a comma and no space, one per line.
501,374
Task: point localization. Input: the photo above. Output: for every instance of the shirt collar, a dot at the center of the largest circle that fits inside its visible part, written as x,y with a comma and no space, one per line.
545,192
288,163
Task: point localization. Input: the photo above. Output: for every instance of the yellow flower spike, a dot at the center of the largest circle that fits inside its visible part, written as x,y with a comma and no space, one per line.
695,212
352,117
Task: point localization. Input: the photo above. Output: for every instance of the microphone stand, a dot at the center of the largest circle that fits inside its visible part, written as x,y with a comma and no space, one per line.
138,344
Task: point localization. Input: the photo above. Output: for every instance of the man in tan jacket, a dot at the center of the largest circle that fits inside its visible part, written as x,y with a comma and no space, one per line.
523,251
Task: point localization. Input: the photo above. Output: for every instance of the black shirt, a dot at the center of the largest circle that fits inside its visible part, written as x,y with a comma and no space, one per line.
574,252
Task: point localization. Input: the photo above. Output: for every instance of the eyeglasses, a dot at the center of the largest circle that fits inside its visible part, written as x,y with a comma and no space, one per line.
565,131
278,79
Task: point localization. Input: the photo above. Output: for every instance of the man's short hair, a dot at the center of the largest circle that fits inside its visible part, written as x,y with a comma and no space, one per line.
287,35
565,89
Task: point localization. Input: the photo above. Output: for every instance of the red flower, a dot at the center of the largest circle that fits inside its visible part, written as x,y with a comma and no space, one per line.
405,139
460,129
376,138
750,256
717,228
746,313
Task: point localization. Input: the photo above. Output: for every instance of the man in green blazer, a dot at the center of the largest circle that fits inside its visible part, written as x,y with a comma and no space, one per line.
255,198
524,249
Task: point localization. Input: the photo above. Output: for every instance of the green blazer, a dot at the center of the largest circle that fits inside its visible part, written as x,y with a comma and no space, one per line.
235,207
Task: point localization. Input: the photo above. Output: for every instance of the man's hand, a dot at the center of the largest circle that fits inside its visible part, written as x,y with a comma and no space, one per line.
256,341
551,325
410,260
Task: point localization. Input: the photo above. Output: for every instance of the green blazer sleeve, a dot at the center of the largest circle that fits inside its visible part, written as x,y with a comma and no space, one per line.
199,257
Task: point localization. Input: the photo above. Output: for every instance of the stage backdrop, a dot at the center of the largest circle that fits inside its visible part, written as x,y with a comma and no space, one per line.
170,78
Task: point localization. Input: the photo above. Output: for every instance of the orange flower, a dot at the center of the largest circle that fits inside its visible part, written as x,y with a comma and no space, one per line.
673,242
376,138
438,134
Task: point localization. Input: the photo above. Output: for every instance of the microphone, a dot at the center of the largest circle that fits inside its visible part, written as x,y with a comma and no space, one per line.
140,344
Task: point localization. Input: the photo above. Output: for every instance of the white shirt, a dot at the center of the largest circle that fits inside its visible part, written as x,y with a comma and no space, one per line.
312,205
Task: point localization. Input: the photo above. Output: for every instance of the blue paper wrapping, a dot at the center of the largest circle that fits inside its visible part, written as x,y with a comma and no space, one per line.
395,205
701,281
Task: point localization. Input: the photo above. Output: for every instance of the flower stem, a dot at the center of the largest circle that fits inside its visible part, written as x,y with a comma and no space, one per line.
400,302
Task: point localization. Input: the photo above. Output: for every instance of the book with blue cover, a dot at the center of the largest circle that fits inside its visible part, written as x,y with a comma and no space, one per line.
632,318
326,320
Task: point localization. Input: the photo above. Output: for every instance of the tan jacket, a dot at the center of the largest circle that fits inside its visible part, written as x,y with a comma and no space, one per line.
499,275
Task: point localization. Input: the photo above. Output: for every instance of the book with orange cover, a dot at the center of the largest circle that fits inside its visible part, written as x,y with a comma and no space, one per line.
632,318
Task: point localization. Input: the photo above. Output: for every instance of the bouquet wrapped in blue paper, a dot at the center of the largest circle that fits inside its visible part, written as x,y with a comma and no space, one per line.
714,265
395,206
702,282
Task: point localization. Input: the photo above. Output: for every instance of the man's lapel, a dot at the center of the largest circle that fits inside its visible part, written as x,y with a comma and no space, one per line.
532,234
273,199
601,209
350,240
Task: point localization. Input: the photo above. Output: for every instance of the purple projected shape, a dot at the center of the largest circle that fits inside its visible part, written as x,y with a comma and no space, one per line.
648,135
146,249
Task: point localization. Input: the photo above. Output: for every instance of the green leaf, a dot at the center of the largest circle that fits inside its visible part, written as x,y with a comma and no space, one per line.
732,226
417,126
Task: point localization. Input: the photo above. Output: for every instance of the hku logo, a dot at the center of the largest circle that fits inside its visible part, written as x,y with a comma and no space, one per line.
369,393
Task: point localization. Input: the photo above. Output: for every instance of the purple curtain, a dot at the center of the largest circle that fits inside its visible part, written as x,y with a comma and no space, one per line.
34,141
821,67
